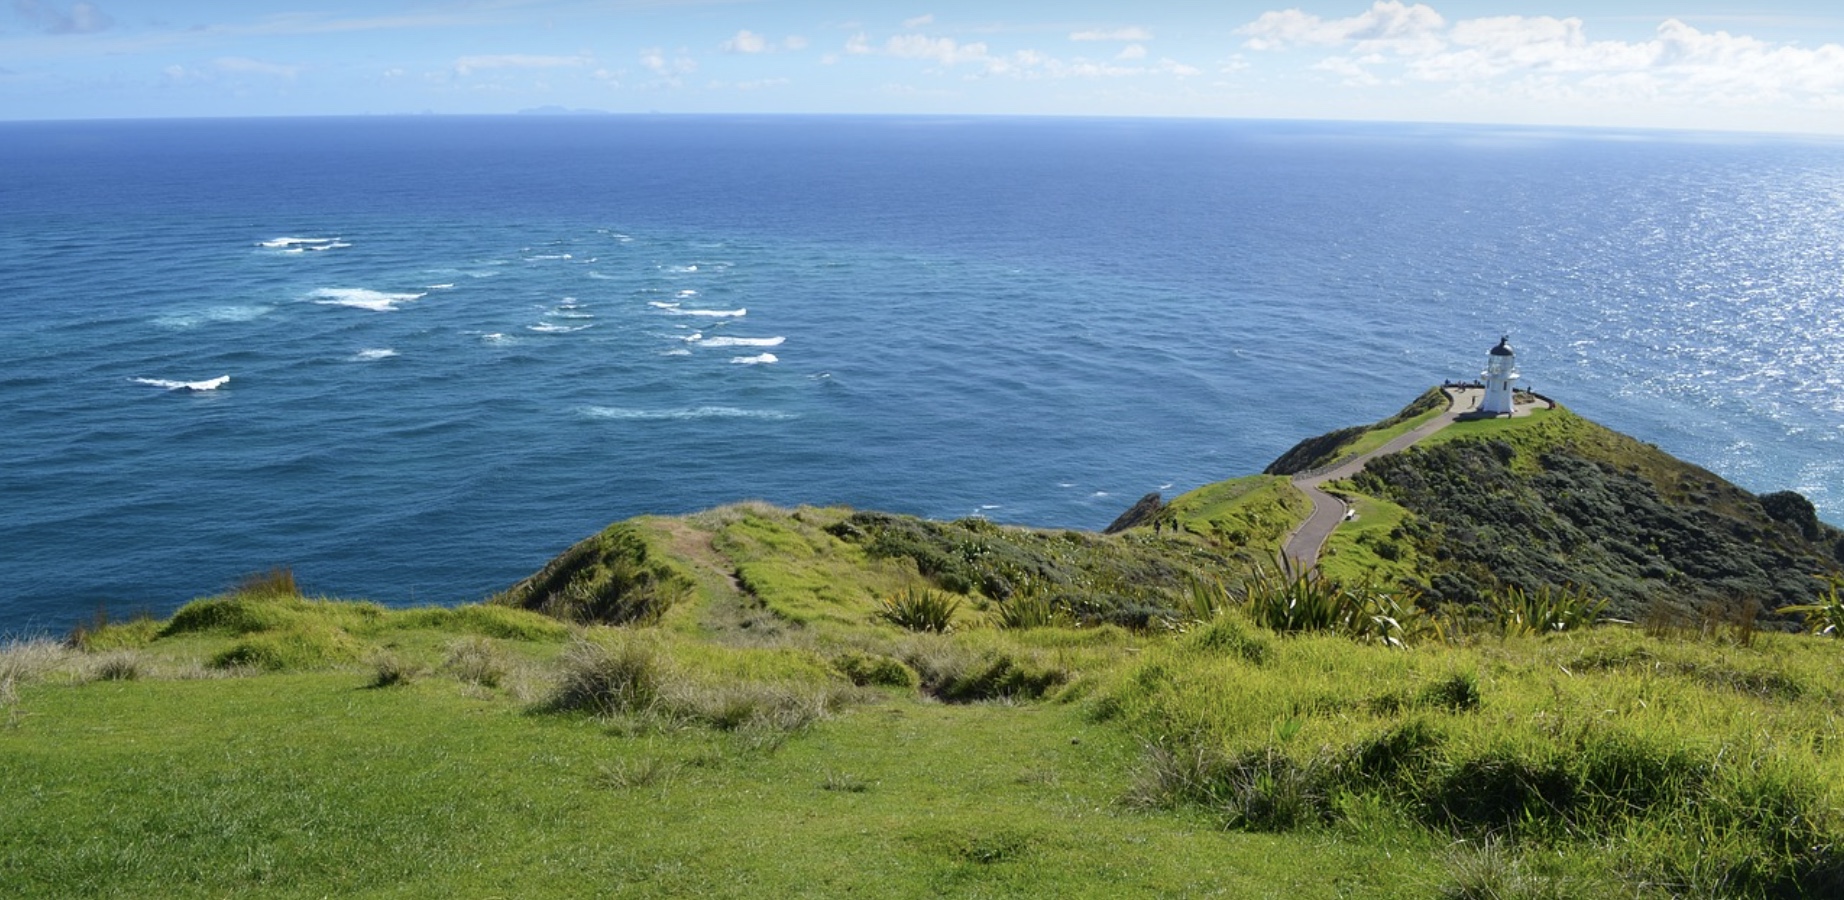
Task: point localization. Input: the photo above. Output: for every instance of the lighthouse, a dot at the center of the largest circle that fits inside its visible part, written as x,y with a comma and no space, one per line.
1500,370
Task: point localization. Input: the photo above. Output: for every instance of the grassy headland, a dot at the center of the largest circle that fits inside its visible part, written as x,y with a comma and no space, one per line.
725,704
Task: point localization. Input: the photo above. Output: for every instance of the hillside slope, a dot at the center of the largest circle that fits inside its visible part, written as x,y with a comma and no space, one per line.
1555,500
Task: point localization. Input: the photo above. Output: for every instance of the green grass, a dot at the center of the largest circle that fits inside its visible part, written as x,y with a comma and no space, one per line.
1254,513
1372,544
310,784
1222,758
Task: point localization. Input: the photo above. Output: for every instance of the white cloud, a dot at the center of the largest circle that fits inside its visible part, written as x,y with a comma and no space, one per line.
655,60
945,51
1025,64
919,21
1134,33
1555,60
467,65
795,42
746,41
242,65
83,18
1387,25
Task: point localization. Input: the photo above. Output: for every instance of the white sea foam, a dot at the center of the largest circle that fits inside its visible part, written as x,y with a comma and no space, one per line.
700,412
495,338
741,342
298,244
545,256
682,270
601,277
758,360
554,328
210,384
711,313
661,304
362,298
442,287
677,351
688,293
371,354
694,337
215,314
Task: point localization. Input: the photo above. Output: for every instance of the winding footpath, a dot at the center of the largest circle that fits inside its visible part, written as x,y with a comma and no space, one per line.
1304,544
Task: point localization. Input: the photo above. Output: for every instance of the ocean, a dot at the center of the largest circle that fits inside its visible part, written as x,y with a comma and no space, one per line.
413,358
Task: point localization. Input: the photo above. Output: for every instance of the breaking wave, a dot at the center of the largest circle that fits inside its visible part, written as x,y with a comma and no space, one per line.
362,298
700,412
738,341
210,384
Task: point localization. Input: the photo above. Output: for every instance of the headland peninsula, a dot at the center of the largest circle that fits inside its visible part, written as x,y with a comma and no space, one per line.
1529,657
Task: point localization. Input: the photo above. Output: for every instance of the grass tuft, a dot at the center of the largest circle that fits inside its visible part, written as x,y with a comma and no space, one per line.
389,668
477,661
605,677
649,771
921,609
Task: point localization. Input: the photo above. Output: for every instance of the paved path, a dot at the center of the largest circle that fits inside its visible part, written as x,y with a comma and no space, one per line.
1303,545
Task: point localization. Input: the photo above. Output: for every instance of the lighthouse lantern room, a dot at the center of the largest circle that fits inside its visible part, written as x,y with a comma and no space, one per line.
1500,371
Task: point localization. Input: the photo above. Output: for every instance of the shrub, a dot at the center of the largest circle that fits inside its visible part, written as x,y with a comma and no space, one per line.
390,669
1287,599
475,660
277,582
1517,612
1029,609
960,674
300,647
119,665
865,669
612,578
1825,616
920,610
606,678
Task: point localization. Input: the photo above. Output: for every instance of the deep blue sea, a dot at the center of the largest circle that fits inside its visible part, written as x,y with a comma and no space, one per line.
456,345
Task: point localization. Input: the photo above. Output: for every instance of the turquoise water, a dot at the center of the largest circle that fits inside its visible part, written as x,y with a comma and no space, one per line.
454,346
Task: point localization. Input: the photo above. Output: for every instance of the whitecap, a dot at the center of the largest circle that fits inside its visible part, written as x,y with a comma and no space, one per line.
371,354
712,313
740,342
682,270
442,287
298,244
601,277
215,314
554,328
677,351
210,384
699,412
694,336
362,298
495,338
761,359
661,304
688,293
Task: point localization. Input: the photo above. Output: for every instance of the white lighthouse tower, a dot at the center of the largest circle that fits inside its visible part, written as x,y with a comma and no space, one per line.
1500,371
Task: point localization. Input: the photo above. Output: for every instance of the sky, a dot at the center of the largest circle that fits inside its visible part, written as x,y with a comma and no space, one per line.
1733,65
